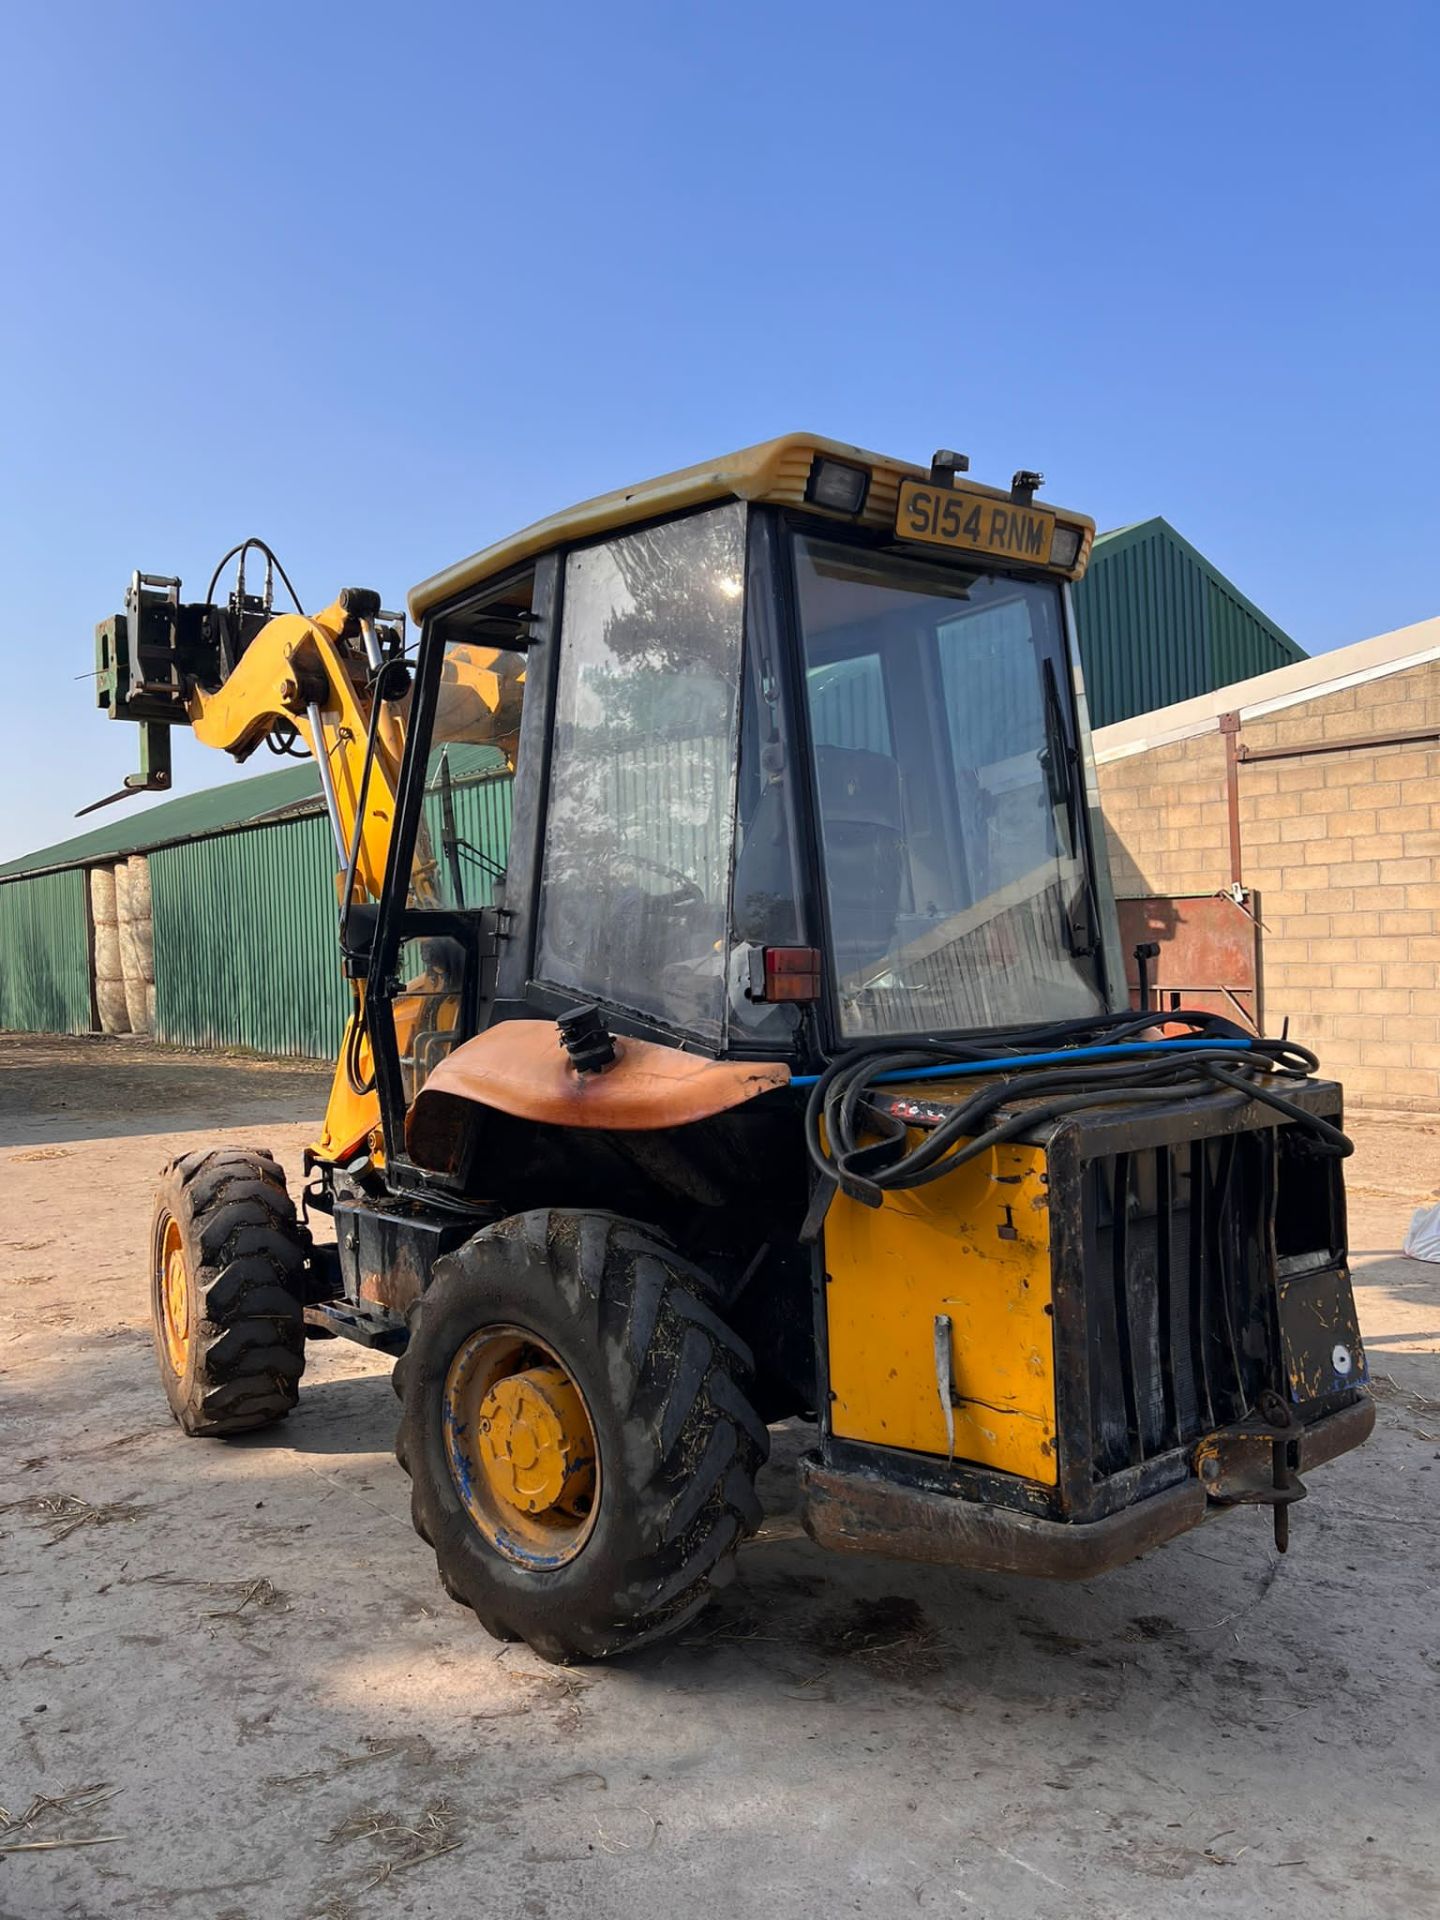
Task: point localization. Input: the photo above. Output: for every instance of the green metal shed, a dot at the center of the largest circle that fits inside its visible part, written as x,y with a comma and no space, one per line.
273,981
1158,622
242,888
45,955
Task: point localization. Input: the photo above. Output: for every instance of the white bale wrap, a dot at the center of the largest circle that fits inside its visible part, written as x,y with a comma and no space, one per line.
120,880
132,957
109,972
139,893
102,896
135,1006
138,868
107,956
110,1003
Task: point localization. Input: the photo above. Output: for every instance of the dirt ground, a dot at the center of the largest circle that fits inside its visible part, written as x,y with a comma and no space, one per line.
234,1671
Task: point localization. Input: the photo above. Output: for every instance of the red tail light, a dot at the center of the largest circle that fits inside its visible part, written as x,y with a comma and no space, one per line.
792,973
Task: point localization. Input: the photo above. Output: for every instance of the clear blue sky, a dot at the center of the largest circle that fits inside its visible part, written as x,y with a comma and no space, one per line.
380,283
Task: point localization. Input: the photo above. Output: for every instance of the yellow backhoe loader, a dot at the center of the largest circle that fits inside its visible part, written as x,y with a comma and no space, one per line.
783,1067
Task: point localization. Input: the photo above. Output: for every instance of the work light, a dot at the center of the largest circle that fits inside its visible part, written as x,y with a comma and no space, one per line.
834,485
1064,545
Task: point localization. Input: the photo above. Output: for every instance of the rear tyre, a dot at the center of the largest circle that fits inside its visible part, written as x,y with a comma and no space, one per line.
578,1432
226,1289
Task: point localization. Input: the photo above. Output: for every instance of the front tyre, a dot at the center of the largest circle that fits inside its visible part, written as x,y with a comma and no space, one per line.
577,1428
227,1263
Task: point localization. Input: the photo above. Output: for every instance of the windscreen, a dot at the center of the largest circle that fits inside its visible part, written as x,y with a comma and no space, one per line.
949,794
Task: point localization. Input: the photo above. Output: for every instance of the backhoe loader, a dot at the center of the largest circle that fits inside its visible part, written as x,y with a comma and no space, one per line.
783,1067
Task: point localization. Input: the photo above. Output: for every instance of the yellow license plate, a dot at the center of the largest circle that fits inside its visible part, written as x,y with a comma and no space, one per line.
950,517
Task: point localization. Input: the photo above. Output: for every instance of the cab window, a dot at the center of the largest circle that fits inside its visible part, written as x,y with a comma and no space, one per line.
639,833
462,836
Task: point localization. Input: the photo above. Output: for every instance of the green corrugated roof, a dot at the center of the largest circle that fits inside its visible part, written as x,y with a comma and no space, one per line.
187,817
1114,533
192,816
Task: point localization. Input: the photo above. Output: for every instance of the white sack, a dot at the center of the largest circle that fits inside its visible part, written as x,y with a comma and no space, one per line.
1422,1242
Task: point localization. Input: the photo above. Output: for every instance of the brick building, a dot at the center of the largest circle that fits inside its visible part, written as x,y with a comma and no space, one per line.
1286,831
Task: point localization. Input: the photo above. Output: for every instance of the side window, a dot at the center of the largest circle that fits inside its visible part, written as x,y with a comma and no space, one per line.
636,873
462,837
427,1012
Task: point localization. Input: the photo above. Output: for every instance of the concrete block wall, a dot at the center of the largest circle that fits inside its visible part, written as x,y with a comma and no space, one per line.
1344,852
1165,817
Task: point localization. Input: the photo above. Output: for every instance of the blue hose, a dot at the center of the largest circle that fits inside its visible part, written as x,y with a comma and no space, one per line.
1067,1056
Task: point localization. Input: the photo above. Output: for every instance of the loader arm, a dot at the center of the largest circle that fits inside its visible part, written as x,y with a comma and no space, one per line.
234,678
301,670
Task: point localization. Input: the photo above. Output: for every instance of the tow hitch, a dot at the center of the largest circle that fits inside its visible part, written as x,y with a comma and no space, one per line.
1257,1462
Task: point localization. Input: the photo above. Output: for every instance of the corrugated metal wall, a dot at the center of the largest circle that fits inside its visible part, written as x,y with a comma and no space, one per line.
1141,616
246,953
1158,624
45,954
988,667
246,950
1234,654
847,706
676,799
482,821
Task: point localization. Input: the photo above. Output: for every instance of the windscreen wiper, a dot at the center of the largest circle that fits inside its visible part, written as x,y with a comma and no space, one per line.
453,844
1064,780
449,839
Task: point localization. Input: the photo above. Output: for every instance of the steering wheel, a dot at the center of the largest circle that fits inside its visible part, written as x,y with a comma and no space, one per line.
569,911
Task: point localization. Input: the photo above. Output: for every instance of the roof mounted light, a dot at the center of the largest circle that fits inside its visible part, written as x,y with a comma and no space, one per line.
837,487
1064,545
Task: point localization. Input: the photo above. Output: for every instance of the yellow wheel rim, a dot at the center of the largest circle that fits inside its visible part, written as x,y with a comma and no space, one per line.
174,1280
521,1447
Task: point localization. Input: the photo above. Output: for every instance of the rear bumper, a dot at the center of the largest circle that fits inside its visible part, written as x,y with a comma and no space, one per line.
857,1512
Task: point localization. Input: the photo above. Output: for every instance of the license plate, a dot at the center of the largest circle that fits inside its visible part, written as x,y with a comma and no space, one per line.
950,517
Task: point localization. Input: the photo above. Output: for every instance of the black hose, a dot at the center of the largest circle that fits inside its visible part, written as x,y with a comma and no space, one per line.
859,1145
245,546
283,740
355,1040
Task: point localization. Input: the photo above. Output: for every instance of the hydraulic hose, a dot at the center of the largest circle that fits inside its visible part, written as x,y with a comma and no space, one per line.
858,1145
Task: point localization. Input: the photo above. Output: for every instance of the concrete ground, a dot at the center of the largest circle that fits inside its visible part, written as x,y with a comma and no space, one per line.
238,1674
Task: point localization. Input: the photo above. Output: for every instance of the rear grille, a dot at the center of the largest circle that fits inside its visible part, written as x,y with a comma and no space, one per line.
1179,1305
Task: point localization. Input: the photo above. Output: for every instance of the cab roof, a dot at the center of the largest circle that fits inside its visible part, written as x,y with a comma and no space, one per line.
774,470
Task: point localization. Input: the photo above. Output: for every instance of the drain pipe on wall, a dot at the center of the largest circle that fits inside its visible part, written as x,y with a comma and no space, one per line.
1234,752
1237,752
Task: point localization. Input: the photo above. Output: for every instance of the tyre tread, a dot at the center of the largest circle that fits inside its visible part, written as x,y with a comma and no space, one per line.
678,1376
248,1252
